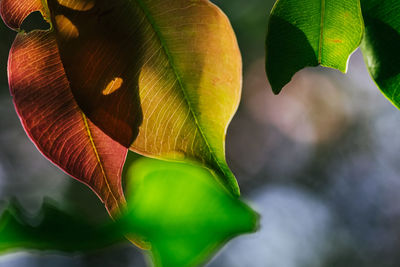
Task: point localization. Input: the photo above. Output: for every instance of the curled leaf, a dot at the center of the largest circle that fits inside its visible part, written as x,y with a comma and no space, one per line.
51,116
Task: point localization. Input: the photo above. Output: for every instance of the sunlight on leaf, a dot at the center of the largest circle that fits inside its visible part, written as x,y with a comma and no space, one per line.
182,213
311,33
381,44
54,122
66,28
162,78
113,86
176,210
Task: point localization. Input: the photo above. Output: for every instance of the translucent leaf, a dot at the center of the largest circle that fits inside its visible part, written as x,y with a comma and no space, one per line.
311,33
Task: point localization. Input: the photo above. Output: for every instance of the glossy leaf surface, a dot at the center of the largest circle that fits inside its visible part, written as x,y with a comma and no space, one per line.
182,212
53,120
160,77
381,44
311,33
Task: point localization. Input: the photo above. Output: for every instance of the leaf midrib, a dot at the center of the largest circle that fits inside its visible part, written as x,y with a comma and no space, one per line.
321,36
178,77
99,161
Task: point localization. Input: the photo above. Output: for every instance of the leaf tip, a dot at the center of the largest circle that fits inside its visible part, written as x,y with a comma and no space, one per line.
276,90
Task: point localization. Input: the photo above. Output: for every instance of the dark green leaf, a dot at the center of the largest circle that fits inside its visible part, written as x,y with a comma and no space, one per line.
381,45
53,229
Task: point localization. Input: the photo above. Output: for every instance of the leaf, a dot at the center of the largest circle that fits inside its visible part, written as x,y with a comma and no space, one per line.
311,33
161,77
176,210
182,213
53,230
53,120
381,44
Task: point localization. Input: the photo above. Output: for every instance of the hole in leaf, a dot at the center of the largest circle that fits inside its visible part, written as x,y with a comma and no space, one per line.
35,21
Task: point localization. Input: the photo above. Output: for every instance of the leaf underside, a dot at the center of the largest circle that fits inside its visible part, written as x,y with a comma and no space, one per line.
162,78
311,33
54,122
381,44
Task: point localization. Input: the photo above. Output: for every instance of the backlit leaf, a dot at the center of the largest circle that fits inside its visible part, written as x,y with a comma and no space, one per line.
311,33
182,213
53,120
161,77
176,210
381,45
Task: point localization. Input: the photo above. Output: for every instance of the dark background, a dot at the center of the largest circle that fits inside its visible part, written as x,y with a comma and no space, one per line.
320,163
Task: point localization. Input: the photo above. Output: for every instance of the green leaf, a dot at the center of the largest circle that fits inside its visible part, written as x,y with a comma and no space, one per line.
53,230
176,210
381,45
311,33
182,213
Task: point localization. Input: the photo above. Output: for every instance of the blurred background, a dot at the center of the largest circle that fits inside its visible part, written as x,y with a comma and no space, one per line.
320,163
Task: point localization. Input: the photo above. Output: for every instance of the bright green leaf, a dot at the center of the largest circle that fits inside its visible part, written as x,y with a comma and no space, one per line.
176,210
182,213
311,33
381,45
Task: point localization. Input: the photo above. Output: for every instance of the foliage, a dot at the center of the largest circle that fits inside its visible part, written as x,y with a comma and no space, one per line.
311,33
176,210
326,32
182,212
163,79
118,77
381,45
52,230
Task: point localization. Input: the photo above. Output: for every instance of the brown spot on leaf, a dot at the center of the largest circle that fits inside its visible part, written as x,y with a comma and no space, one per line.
337,41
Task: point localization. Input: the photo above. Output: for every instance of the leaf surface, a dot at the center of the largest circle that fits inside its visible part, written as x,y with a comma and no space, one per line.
311,33
176,210
182,213
381,44
52,118
160,77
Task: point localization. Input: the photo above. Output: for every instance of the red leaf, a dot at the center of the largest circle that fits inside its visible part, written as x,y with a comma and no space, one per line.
51,116
14,12
100,48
